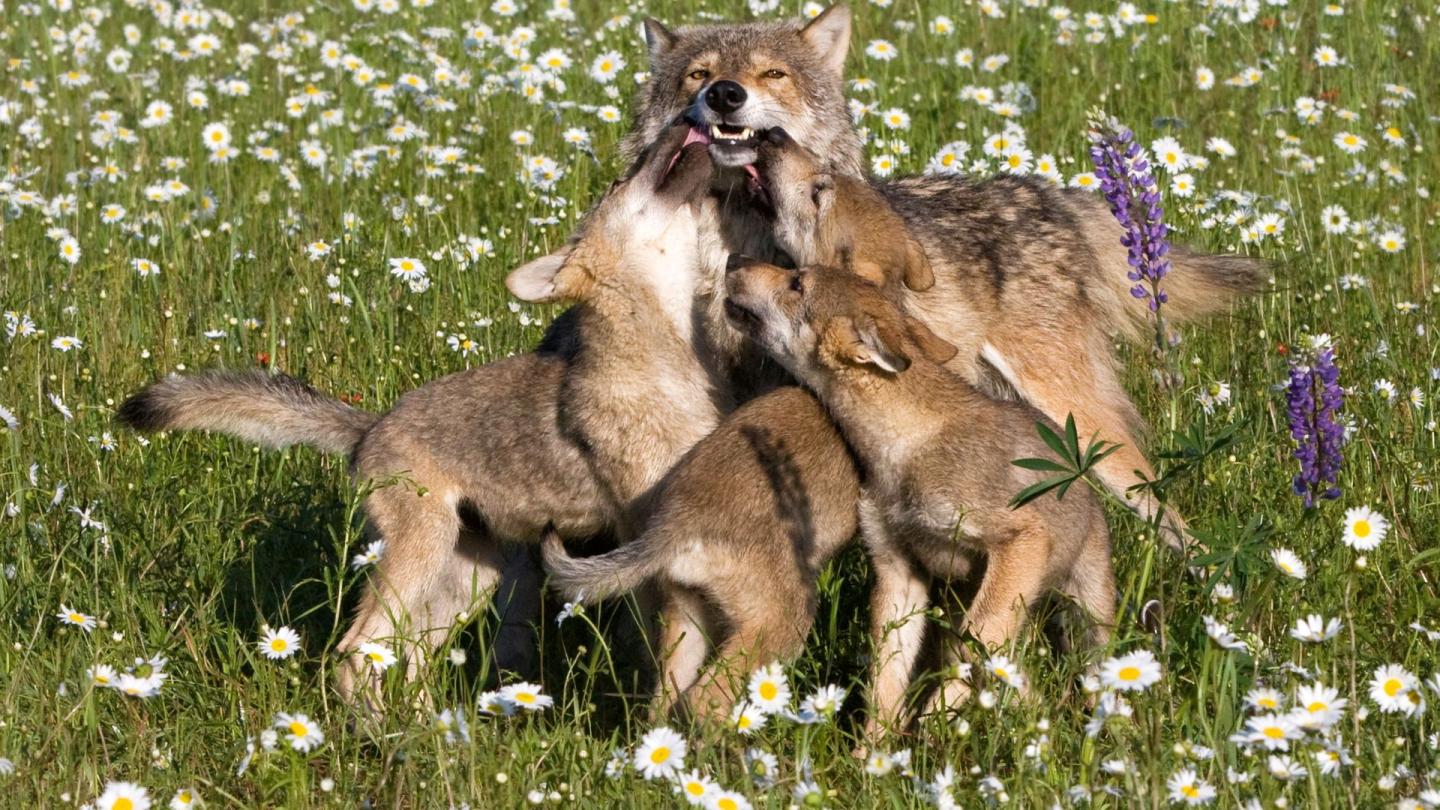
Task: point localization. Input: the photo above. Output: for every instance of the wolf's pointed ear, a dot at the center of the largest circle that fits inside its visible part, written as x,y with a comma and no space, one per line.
919,276
829,35
936,349
867,344
658,38
543,279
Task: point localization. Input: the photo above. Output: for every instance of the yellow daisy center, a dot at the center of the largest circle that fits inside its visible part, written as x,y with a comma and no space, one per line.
123,803
298,728
1317,706
694,788
727,803
1190,792
1129,674
524,697
279,645
1268,703
1362,528
768,690
77,618
1392,687
1274,732
660,755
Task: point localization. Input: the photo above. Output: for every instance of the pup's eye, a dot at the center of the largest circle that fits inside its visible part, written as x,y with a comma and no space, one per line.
796,285
700,75
773,73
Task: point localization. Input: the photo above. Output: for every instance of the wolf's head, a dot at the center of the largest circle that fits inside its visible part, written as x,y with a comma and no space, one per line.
641,237
733,82
822,321
825,217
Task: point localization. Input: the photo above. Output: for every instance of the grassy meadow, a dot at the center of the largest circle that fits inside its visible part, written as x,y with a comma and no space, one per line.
187,187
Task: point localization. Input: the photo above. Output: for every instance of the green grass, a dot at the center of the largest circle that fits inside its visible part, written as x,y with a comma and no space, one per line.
207,539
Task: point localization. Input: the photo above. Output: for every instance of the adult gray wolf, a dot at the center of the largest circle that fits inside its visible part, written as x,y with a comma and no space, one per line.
1045,265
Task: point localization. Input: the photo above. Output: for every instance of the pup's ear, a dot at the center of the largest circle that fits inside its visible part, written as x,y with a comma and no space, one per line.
936,349
868,344
658,38
829,35
918,274
822,192
548,278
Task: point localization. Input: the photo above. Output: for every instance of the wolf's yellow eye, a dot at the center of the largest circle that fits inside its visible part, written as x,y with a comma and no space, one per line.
774,73
700,75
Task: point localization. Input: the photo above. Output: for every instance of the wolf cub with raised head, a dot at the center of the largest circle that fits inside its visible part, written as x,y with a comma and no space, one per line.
938,478
493,454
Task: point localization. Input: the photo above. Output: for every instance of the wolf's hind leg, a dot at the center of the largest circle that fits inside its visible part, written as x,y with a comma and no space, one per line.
425,578
764,628
1082,382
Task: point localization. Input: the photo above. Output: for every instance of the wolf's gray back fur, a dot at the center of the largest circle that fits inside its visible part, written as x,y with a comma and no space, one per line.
271,410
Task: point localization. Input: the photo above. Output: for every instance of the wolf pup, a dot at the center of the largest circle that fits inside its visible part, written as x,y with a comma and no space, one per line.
637,394
741,528
936,455
460,465
455,479
1045,266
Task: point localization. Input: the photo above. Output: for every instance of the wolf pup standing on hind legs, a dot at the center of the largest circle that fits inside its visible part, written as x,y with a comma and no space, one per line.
495,453
1046,264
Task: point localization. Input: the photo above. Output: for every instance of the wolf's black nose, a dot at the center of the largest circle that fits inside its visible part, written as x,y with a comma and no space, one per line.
725,97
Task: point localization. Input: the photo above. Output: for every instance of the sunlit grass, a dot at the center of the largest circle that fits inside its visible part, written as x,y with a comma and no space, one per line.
206,541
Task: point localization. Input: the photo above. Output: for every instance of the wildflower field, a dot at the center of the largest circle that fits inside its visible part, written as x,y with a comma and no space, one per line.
336,190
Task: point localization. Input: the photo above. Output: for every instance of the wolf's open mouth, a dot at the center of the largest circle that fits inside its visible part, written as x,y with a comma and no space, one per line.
734,136
731,143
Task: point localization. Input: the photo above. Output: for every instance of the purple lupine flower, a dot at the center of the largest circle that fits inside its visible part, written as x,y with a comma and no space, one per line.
1313,400
1134,197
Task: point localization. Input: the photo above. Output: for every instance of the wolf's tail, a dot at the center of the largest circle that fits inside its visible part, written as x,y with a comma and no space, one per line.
1201,284
1198,284
272,410
593,579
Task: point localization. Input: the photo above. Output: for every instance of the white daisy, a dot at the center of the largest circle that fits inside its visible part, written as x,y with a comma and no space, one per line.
1135,672
769,690
279,643
660,754
527,696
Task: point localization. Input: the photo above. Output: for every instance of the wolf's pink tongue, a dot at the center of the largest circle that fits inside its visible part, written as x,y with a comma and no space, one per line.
695,135
750,170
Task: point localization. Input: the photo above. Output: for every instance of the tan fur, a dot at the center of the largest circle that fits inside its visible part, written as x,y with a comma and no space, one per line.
937,458
741,529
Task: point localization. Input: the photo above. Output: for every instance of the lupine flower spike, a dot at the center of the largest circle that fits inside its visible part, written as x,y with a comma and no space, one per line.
1313,401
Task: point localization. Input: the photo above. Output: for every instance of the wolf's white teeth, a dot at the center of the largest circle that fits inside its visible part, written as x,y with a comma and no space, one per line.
717,134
